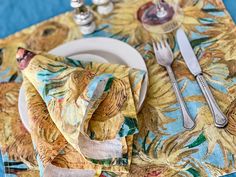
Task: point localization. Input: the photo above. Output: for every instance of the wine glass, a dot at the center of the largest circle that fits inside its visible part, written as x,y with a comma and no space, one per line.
161,16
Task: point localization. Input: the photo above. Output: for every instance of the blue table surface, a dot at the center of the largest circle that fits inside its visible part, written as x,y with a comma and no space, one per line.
17,15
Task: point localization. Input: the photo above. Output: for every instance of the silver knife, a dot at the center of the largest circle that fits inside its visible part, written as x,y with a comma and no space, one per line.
193,65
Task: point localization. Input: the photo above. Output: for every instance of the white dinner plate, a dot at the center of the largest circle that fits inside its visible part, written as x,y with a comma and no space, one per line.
98,49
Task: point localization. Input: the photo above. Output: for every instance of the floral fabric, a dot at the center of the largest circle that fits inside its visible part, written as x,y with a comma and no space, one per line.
87,109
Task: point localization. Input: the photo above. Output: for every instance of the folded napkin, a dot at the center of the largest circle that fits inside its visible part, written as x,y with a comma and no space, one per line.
82,114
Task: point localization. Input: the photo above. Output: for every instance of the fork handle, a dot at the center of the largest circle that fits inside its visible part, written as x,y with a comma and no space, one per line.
219,117
188,121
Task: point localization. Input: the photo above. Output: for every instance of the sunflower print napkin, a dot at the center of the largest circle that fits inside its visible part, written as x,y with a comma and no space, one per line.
82,112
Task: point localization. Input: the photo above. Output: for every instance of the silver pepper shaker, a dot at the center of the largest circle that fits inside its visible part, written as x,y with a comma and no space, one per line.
104,7
83,17
76,3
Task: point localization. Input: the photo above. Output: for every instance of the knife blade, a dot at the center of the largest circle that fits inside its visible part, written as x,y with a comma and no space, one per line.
192,62
187,52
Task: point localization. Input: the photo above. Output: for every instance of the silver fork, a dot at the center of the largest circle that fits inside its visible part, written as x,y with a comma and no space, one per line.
164,57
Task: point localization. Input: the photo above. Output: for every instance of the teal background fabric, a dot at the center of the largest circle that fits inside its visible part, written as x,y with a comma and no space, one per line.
231,7
230,175
17,15
1,166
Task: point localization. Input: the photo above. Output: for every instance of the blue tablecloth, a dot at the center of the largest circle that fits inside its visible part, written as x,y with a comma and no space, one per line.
231,7
16,15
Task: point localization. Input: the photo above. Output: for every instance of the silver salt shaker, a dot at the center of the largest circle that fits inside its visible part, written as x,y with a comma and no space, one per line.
104,7
83,17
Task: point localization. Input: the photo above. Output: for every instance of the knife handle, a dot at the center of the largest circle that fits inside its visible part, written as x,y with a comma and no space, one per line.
188,122
219,117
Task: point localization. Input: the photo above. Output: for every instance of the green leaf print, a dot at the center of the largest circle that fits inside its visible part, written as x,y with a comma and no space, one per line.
54,65
197,42
53,85
194,172
212,10
129,127
108,85
200,139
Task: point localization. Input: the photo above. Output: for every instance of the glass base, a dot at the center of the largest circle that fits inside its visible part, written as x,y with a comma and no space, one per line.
148,15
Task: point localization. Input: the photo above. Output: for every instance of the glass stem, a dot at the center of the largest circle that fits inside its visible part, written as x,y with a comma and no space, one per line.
161,12
158,4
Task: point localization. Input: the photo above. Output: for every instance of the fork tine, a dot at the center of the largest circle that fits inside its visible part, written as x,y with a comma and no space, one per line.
166,42
160,44
154,46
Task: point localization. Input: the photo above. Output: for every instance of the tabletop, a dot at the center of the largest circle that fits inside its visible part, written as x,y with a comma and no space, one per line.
10,10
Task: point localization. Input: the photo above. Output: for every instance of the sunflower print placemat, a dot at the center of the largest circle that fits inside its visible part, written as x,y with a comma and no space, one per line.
162,147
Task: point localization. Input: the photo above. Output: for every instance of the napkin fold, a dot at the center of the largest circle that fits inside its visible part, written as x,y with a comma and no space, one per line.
82,114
